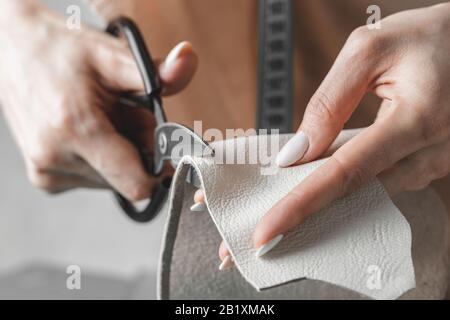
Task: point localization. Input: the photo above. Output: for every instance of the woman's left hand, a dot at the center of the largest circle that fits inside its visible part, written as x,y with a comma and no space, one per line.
406,63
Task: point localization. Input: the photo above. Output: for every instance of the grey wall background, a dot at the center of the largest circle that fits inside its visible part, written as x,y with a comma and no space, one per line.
41,235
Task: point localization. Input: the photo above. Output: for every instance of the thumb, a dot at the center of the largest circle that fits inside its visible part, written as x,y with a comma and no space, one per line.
178,68
115,64
333,102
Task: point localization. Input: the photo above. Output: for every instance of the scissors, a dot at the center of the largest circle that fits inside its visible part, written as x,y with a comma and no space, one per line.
168,135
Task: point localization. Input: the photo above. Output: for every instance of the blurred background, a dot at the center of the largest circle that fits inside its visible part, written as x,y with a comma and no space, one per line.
41,235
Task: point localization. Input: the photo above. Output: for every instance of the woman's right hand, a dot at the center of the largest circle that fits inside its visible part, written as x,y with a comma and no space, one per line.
59,92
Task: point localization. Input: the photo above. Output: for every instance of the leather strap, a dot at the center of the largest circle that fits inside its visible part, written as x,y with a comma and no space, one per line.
275,82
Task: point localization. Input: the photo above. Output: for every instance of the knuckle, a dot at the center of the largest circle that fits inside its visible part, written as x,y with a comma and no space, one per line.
358,35
67,119
43,161
429,124
116,57
43,181
439,125
89,127
65,122
362,42
349,178
80,122
296,199
79,51
319,109
84,51
426,125
414,120
114,61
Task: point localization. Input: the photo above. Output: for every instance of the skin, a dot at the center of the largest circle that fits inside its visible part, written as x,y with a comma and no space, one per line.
406,63
59,93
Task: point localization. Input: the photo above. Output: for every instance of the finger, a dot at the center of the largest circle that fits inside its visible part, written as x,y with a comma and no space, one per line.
116,66
73,166
418,170
54,183
112,60
362,158
199,202
385,106
343,137
199,196
225,257
138,126
223,251
93,178
115,158
334,101
64,164
224,254
178,68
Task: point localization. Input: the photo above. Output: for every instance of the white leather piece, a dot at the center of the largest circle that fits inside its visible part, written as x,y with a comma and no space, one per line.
337,246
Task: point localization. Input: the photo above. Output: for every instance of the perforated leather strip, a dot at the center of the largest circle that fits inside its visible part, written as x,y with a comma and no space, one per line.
275,82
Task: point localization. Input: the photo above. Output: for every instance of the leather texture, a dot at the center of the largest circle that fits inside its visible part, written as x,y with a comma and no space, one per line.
336,252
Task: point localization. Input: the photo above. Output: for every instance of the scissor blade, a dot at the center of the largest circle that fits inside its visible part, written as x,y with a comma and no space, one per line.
174,141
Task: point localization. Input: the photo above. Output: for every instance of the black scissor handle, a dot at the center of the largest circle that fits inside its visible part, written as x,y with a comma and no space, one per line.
151,100
126,27
153,207
152,85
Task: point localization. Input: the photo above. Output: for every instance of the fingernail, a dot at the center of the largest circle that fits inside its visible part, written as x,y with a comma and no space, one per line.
174,54
226,263
268,246
141,204
198,196
293,150
198,207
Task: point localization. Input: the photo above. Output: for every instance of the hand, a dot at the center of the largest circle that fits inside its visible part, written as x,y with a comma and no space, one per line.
59,91
406,63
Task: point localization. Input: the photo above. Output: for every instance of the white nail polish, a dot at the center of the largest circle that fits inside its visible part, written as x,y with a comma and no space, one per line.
141,204
226,263
173,54
293,150
198,207
268,246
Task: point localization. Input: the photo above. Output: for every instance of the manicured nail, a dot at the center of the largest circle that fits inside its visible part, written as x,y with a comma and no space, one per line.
174,54
268,246
198,196
293,150
141,204
226,263
198,207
